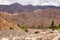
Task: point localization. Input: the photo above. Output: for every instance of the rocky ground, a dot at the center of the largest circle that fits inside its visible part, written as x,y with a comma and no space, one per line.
46,34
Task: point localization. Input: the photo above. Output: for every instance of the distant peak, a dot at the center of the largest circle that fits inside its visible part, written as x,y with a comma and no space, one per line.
16,4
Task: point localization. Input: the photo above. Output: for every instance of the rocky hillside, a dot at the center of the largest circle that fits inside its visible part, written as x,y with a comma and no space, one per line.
7,24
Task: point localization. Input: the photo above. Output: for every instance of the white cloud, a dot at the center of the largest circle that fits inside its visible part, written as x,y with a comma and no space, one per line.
35,2
50,3
7,2
32,2
23,2
4,2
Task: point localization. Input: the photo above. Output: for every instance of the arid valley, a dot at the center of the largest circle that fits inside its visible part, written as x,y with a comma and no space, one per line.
29,22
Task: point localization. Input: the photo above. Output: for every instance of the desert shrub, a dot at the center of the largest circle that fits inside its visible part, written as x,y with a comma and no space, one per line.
36,32
26,30
11,28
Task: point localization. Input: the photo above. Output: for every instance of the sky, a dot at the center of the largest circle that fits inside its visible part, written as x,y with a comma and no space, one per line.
32,2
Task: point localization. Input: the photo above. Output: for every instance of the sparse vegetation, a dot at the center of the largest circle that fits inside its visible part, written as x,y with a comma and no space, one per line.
59,26
52,26
40,26
23,28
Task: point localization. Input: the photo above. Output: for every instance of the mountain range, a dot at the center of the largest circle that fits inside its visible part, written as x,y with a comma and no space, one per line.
30,16
35,18
16,7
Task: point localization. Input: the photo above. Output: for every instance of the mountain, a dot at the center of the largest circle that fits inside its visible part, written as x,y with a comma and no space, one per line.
16,7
